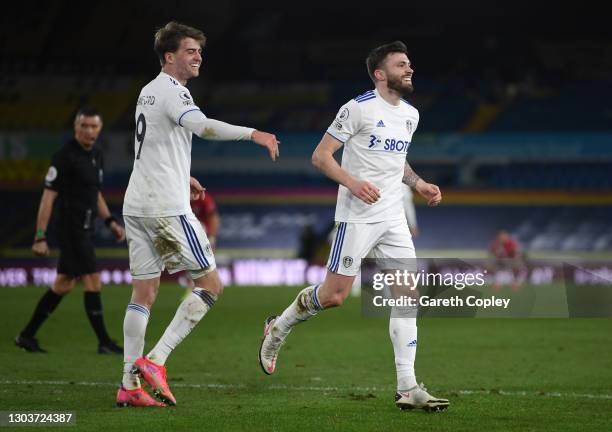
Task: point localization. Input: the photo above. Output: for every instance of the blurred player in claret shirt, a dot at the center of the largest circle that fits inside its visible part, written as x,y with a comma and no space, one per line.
205,209
504,246
507,255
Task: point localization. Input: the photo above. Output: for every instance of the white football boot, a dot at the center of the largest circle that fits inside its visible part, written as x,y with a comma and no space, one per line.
418,398
270,346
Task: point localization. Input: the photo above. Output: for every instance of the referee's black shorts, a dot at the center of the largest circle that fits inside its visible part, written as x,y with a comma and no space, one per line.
77,252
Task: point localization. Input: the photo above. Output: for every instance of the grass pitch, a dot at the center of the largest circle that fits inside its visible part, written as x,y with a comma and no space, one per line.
335,372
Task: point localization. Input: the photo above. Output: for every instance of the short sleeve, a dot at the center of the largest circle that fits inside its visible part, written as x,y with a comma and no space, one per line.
347,122
179,102
413,124
56,173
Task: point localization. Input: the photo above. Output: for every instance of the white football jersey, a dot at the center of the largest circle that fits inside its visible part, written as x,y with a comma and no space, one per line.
159,184
376,137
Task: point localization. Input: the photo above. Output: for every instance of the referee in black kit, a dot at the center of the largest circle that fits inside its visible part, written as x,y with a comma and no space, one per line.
74,179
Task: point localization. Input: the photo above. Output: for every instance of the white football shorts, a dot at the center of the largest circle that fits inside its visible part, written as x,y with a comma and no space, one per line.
389,242
174,243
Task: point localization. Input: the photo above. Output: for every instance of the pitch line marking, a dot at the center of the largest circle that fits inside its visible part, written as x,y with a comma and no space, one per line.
314,388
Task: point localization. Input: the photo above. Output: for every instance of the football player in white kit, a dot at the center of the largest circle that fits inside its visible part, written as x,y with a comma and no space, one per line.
161,229
376,129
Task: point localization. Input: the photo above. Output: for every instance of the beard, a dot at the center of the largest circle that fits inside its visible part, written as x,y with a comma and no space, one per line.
397,84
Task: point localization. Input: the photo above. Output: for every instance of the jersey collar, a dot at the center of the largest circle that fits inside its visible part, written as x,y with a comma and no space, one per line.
170,77
384,102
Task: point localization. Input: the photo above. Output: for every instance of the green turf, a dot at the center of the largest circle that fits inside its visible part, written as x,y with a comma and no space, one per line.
335,372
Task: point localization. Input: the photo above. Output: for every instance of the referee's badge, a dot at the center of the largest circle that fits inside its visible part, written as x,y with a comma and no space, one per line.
347,261
51,174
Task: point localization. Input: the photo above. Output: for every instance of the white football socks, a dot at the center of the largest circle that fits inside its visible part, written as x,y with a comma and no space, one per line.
305,305
134,329
403,332
188,314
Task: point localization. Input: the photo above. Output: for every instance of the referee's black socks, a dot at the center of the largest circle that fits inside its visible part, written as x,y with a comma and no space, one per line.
93,307
44,308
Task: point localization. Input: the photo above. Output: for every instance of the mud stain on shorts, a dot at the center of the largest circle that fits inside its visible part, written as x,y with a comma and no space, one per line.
167,245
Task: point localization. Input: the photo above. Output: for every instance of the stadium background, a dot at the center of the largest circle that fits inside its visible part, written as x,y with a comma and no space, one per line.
516,128
516,120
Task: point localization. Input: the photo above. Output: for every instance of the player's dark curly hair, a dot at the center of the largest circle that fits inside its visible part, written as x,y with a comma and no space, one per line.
169,37
378,55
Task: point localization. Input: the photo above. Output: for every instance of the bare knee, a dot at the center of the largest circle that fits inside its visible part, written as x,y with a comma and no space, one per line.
145,299
333,300
219,289
211,282
145,292
63,284
332,293
92,282
334,290
215,287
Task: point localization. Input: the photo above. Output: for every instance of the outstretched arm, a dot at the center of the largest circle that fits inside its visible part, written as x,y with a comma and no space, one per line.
217,130
323,160
429,191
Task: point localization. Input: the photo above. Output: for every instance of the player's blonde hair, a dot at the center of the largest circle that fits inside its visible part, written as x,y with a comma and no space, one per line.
169,37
